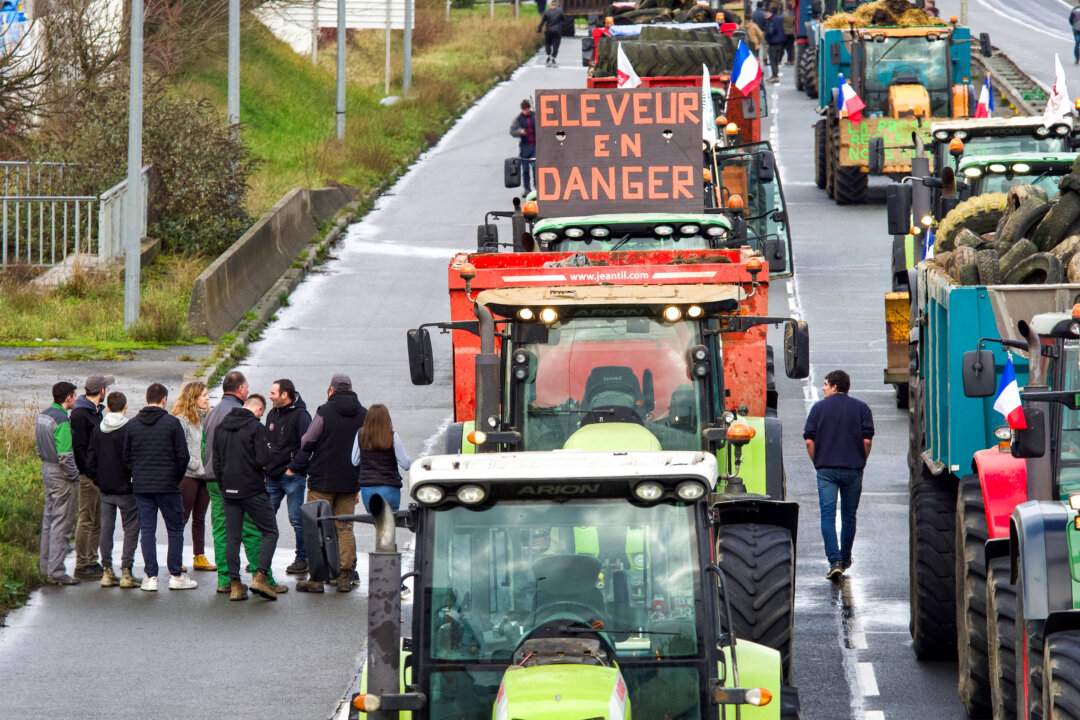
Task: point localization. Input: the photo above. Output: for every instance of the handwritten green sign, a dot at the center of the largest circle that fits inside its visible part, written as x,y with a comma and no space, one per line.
855,140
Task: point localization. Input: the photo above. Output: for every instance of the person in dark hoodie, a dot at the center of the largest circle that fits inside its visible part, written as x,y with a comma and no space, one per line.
241,452
331,475
84,418
156,451
235,389
113,481
554,19
286,473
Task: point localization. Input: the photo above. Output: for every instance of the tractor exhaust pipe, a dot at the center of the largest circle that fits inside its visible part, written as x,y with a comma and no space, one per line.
384,608
487,378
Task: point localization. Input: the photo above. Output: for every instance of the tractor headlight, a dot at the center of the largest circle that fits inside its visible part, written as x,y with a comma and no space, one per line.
599,232
941,135
694,312
961,135
430,494
689,229
548,236
1062,130
996,168
1042,131
526,315
972,172
672,313
649,491
471,494
574,232
663,230
715,230
1021,168
690,490
548,316
639,561
1002,432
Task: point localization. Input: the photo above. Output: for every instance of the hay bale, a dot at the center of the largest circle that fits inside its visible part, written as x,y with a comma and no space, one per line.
893,12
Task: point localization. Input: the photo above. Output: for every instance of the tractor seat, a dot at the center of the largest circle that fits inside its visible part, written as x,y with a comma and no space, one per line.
568,578
611,378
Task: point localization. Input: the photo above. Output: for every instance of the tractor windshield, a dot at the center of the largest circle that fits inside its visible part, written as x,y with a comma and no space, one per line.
750,171
1069,461
629,572
999,178
686,236
604,383
907,61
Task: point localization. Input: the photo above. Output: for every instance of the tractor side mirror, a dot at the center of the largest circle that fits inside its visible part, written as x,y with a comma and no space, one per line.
749,109
898,199
775,252
647,390
512,172
1031,441
487,238
978,374
797,349
766,167
985,46
421,364
320,540
876,157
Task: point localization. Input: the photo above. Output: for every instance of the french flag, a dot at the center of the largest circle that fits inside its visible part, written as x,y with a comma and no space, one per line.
746,70
928,245
1007,401
986,99
850,101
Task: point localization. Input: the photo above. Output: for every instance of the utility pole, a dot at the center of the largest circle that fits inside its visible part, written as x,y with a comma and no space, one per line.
233,109
314,32
406,51
133,216
963,12
341,70
386,90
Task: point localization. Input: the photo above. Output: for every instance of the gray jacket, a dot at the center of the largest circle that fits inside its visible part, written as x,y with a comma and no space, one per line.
213,419
53,445
193,434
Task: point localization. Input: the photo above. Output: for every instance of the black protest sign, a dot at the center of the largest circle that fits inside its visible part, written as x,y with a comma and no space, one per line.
607,151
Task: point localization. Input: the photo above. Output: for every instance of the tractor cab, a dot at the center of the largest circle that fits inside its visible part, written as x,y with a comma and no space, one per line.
905,71
559,585
982,137
998,173
629,232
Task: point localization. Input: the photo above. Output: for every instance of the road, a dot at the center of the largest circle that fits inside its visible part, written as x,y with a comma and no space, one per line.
194,655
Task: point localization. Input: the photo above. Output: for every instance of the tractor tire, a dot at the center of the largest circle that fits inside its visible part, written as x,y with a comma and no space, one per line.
1001,638
758,561
979,214
832,155
666,58
967,275
971,537
966,238
850,185
1022,221
1029,657
932,542
805,69
820,161
1061,675
901,396
789,703
989,269
1016,254
1020,194
1053,228
798,66
916,425
1038,269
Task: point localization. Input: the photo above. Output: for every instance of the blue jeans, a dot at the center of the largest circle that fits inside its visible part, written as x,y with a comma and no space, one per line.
171,506
528,165
390,495
290,487
846,483
1076,46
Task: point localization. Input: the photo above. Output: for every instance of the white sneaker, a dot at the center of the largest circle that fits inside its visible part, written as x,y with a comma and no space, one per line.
182,582
149,584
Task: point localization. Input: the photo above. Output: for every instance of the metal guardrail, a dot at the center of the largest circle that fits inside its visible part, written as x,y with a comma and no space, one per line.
41,225
1026,94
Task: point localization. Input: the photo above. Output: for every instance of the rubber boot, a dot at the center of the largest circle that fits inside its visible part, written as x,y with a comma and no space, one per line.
238,590
261,586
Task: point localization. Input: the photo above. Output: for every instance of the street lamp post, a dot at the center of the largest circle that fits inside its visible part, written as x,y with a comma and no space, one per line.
233,109
133,215
341,70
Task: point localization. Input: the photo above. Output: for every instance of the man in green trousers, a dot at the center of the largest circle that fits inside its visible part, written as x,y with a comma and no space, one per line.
235,389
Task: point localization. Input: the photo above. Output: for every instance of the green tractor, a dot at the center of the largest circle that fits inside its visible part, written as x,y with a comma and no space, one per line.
553,585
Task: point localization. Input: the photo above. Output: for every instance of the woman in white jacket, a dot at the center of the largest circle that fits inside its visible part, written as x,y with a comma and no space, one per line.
190,409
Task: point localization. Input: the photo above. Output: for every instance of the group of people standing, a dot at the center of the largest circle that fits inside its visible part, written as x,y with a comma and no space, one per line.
178,464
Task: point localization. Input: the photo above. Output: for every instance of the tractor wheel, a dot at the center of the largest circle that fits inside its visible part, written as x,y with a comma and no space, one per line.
901,396
832,155
1023,220
916,425
979,214
799,52
971,537
1052,229
1001,638
1029,658
931,563
1016,254
1061,675
850,185
820,163
758,561
989,266
1038,269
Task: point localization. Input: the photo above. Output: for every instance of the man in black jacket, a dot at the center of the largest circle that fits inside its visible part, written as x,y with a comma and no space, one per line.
331,475
241,452
113,481
84,418
286,473
554,19
156,451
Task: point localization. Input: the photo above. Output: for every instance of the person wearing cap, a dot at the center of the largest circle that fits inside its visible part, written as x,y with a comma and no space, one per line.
235,389
331,475
59,475
524,129
86,416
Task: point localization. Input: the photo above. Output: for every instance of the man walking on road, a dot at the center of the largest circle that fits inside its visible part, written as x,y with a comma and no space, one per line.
286,472
241,452
59,475
156,451
554,19
235,389
775,37
331,475
839,433
524,129
86,416
1074,23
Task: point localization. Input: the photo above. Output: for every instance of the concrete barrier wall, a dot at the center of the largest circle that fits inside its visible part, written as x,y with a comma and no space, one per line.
235,282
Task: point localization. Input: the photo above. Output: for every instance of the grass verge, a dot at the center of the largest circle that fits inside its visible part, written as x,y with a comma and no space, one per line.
21,505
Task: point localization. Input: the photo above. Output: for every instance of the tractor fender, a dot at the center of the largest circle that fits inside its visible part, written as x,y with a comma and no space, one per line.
1060,620
1003,480
755,456
457,442
759,666
995,549
760,511
1038,543
774,458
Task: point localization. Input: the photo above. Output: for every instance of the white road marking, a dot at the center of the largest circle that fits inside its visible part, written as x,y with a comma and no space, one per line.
429,444
867,680
873,715
1017,20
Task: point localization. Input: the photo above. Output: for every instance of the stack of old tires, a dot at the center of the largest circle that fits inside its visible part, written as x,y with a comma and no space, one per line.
666,51
1020,238
651,11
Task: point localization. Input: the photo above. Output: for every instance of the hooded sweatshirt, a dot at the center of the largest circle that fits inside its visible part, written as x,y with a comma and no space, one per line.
287,426
329,439
85,416
106,456
241,451
229,402
156,451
